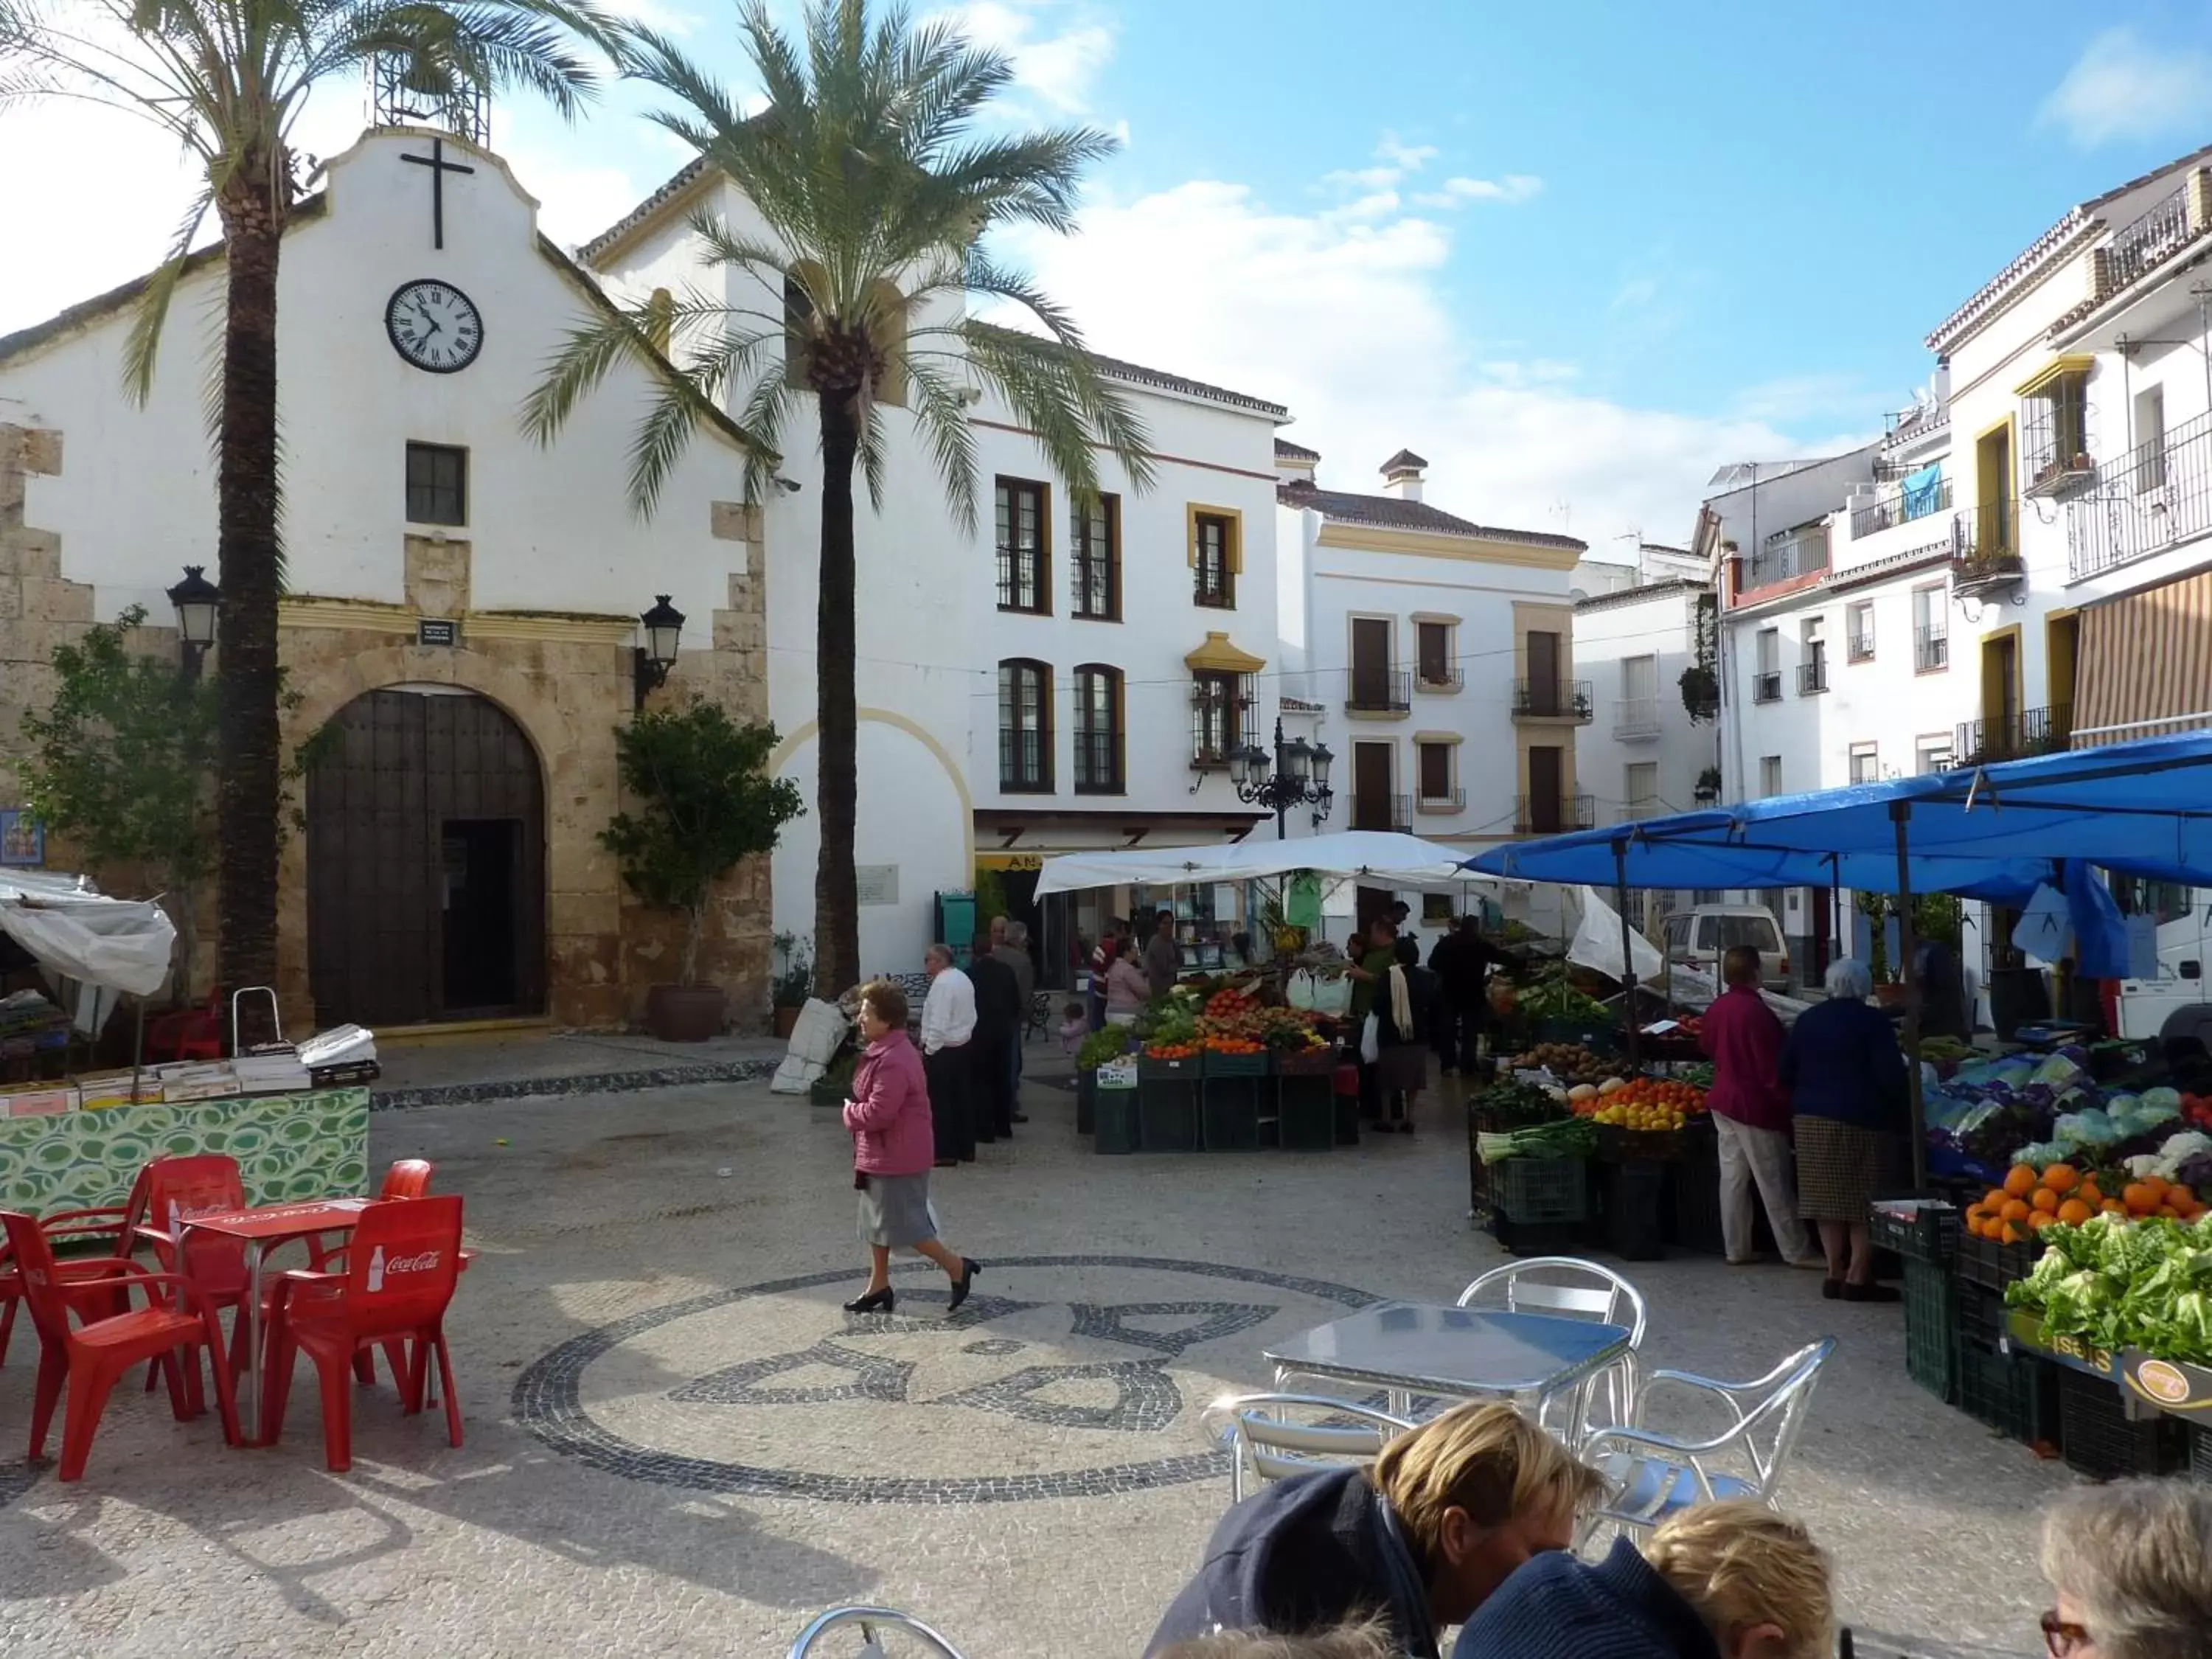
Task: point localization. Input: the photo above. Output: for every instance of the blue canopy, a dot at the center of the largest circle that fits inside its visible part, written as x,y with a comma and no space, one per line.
1990,832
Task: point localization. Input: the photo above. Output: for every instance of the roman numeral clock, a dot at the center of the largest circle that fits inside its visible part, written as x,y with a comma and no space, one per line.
434,325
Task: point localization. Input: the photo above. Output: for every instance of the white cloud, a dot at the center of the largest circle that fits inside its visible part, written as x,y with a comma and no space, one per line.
1351,323
1058,67
1410,158
1512,189
2122,87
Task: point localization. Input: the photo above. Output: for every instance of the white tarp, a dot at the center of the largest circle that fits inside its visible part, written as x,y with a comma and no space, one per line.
99,945
1382,857
1597,942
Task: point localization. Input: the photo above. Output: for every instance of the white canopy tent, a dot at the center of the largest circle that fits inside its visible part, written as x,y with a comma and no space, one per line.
1382,857
90,946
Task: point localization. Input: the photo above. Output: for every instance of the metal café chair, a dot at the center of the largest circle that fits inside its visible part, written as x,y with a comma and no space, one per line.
1272,1434
1568,1287
870,1621
1650,1475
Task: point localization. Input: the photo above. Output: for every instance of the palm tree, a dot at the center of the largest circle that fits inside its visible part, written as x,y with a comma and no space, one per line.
877,190
228,79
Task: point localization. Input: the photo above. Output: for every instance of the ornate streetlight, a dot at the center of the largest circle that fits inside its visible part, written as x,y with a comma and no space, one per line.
1299,777
197,599
664,627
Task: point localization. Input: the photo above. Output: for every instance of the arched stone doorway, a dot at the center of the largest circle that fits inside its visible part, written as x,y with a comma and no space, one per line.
426,862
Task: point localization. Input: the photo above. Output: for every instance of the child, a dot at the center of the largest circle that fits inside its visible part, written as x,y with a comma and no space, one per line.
1074,1026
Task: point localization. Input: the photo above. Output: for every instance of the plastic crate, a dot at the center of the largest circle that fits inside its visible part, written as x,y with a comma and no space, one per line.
1305,1105
1527,1190
1187,1069
1994,1266
1167,1117
1616,1145
1086,1102
1930,1234
2015,1393
1229,1115
2200,1453
1306,1062
1635,1201
1534,1237
1929,1314
1981,1315
2098,1439
1116,1121
1345,1109
1236,1065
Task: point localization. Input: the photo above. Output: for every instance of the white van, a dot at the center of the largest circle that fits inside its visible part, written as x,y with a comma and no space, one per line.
1699,937
2175,1003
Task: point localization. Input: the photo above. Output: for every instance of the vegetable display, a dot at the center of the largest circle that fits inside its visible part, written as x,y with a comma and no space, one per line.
1568,1062
1100,1047
1236,1022
1570,1137
2031,1202
1548,994
2119,1283
1514,1105
1641,1102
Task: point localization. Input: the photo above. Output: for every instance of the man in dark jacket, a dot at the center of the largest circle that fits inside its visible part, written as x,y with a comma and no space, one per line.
991,1052
1418,1539
1718,1581
1461,961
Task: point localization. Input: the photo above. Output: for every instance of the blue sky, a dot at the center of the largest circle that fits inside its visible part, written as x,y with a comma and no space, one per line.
1575,255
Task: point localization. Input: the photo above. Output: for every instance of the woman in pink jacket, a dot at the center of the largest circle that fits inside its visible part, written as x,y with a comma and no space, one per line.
894,1147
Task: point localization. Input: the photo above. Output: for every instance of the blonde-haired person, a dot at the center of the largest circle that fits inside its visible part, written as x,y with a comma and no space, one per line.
2132,1566
1416,1540
1728,1580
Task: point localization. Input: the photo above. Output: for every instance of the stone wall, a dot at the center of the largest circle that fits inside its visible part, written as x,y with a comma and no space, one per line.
567,679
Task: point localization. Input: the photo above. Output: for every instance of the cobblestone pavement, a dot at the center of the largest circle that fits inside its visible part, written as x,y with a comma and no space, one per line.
679,1444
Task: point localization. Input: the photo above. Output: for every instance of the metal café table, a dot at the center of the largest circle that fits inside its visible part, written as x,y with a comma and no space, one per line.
1408,1348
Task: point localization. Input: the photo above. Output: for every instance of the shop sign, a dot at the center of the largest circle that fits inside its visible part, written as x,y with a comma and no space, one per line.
1010,860
2168,1384
876,884
437,630
1118,1073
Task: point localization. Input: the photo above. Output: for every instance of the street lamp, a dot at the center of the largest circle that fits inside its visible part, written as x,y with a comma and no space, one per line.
197,600
664,626
1299,777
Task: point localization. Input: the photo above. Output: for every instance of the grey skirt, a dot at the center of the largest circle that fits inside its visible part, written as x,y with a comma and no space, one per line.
1841,1167
895,1211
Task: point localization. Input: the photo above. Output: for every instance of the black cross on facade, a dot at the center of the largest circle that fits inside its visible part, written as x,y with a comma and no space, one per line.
440,166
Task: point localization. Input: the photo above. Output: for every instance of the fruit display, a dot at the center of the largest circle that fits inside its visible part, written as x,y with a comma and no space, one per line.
1157,1050
2117,1283
1570,1062
2029,1202
1639,1104
1233,1022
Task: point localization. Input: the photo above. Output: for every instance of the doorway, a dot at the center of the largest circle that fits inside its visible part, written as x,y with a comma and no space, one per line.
1545,695
1371,787
426,863
2001,732
1547,813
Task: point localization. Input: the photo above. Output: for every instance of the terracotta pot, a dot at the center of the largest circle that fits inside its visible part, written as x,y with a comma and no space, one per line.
685,1013
787,1022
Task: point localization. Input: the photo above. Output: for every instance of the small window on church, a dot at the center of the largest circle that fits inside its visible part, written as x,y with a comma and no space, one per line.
437,485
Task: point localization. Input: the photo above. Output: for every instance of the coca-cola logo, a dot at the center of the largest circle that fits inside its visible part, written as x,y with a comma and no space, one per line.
410,1264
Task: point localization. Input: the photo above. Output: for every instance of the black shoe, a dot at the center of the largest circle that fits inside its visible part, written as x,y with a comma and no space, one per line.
1021,1117
1871,1292
874,1301
960,1285
1831,1289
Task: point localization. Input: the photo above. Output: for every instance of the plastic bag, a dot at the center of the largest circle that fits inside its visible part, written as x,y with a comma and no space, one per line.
1324,994
1370,1039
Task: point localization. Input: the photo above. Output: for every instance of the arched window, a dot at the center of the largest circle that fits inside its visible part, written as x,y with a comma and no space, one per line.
1098,730
1024,727
660,319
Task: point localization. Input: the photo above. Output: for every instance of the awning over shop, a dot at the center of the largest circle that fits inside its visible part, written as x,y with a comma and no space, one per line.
1382,858
2146,663
88,944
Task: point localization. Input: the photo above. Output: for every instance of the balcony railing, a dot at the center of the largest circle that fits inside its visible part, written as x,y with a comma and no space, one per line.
1024,762
1447,677
1552,699
1766,687
1861,647
1380,812
1551,815
1901,506
1635,718
2144,240
1098,764
1447,800
2032,732
1788,556
1378,690
1985,548
1813,677
1931,650
2156,496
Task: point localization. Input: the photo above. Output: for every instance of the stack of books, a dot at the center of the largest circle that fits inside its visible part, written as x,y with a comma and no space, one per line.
275,1070
186,1080
343,1055
101,1090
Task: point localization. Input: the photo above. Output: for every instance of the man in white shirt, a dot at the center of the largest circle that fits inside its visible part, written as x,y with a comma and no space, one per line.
948,1023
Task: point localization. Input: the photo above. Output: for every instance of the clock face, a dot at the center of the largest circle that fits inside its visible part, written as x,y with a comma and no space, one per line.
434,325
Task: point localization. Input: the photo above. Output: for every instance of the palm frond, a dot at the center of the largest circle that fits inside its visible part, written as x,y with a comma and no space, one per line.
143,346
939,403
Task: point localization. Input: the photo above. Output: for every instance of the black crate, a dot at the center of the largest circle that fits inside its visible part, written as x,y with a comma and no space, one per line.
1930,1234
1229,1115
1115,1118
1086,1102
1529,1189
1981,1315
1929,1314
1347,1110
1635,1201
1994,1266
1535,1238
2098,1439
2015,1392
2200,1452
1307,1108
1167,1117
1694,1212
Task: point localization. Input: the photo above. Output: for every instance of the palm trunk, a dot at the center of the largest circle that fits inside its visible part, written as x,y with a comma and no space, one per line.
248,790
836,785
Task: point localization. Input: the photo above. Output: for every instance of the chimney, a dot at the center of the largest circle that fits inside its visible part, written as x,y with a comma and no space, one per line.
1401,476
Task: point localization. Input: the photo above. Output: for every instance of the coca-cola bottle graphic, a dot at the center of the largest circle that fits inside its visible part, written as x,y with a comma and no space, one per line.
376,1270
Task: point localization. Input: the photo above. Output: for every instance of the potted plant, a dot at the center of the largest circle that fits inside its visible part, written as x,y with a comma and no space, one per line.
1701,692
793,983
1707,789
703,801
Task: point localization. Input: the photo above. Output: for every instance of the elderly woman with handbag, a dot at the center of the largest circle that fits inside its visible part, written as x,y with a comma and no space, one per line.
894,1148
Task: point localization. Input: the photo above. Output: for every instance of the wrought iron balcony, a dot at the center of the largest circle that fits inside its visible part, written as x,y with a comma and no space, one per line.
1448,800
1635,719
1900,506
1378,690
2031,732
1446,678
1766,687
1813,677
2156,496
1551,815
1381,812
1549,700
1931,650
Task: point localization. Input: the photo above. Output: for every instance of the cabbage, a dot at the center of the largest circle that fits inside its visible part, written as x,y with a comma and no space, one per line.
2057,1070
2041,1155
2089,1128
2162,1097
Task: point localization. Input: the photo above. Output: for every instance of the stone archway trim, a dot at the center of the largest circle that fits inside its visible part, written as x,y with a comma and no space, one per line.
811,729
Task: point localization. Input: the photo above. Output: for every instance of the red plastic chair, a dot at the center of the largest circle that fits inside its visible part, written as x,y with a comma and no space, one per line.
409,1177
91,1356
188,1033
177,1190
119,1221
400,1270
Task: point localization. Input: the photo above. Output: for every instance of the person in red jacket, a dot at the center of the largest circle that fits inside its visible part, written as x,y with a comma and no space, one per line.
894,1147
1751,1114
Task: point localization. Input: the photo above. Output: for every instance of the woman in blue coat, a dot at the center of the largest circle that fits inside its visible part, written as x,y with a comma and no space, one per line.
1847,1091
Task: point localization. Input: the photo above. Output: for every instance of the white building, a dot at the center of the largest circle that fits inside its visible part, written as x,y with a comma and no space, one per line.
1051,680
1436,656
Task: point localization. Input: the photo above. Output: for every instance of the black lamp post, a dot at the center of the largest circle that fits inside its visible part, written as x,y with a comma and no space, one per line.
1300,777
197,600
664,626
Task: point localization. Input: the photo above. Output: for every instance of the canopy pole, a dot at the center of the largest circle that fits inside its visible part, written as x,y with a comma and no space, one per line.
139,1050
1900,812
1628,957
